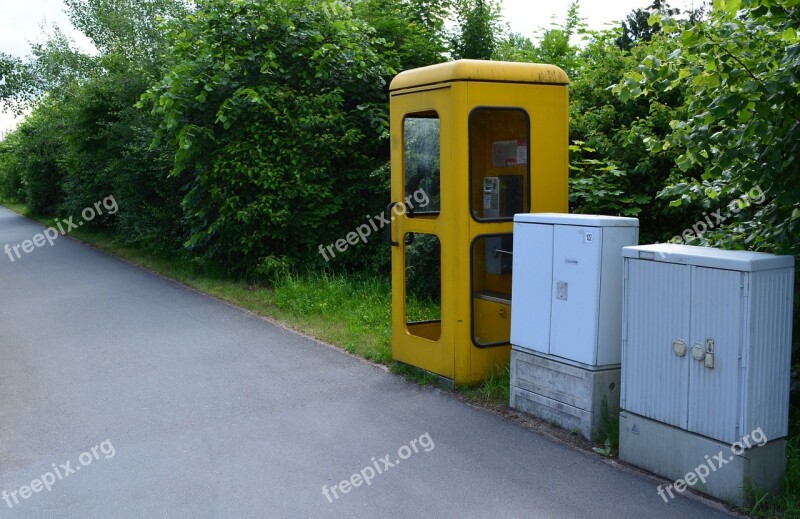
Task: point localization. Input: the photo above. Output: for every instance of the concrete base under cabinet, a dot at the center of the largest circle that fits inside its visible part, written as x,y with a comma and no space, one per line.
567,394
674,453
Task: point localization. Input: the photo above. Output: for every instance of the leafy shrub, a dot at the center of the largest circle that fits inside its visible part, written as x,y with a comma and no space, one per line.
12,187
39,151
108,152
277,110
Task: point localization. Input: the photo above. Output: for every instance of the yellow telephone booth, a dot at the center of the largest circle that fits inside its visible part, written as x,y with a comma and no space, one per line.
472,144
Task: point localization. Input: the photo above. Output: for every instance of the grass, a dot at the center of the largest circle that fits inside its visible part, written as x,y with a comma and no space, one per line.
494,391
352,312
787,504
608,435
416,375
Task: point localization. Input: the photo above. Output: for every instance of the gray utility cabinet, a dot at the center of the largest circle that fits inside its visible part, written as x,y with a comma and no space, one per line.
706,356
567,285
566,316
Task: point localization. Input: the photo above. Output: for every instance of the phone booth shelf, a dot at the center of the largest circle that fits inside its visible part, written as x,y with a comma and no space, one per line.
476,142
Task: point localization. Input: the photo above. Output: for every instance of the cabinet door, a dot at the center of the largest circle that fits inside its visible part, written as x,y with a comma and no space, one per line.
656,314
576,288
531,292
717,324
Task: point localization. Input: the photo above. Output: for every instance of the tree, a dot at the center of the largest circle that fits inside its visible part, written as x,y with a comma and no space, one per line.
37,152
478,29
126,30
554,45
636,26
51,69
85,139
408,33
276,110
128,35
12,187
8,66
742,123
613,171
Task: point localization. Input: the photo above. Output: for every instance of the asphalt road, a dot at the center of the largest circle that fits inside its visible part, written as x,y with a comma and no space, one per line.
128,395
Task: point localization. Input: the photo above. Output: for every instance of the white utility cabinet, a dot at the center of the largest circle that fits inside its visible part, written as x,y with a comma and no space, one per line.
706,356
566,316
567,285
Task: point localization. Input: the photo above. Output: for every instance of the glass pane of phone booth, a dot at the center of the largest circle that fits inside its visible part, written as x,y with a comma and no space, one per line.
491,289
421,160
499,163
423,270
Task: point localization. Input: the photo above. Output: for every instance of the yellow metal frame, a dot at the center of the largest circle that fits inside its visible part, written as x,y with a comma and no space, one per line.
453,90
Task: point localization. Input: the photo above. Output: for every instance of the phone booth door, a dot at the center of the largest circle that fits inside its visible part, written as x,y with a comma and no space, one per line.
420,336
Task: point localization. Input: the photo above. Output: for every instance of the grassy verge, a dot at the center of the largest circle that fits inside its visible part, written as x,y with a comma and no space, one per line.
492,392
787,504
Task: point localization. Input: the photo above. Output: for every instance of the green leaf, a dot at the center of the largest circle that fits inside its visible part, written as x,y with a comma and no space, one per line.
790,36
730,6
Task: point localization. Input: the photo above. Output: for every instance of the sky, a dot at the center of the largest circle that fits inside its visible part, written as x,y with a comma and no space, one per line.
21,22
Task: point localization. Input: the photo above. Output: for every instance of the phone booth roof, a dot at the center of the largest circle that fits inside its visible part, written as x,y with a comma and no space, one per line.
480,70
